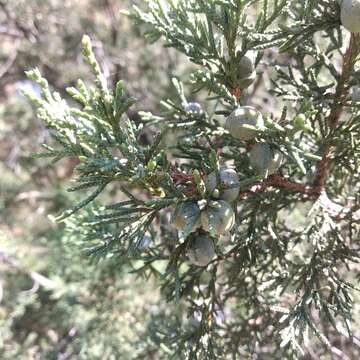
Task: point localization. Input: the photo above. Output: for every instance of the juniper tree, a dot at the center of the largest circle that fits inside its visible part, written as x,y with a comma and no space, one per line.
247,216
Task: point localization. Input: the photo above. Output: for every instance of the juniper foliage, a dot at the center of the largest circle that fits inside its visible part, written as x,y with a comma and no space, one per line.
280,278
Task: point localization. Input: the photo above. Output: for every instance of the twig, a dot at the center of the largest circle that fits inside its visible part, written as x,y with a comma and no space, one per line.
341,93
336,211
279,181
28,33
37,278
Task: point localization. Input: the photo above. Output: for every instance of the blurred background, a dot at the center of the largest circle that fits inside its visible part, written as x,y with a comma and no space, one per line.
53,303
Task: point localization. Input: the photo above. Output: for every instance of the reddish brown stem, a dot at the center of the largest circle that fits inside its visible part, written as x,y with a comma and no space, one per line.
341,93
181,178
237,93
280,182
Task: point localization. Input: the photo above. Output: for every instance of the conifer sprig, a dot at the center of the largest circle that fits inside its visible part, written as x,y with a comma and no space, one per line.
271,277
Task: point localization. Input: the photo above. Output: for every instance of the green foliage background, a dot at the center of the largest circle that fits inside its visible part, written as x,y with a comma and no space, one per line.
54,303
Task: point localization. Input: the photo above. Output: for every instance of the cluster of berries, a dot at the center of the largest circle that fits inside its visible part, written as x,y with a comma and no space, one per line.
209,219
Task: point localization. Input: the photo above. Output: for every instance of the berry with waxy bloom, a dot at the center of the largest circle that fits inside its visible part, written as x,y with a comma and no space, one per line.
218,218
228,187
239,118
187,214
265,160
201,250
